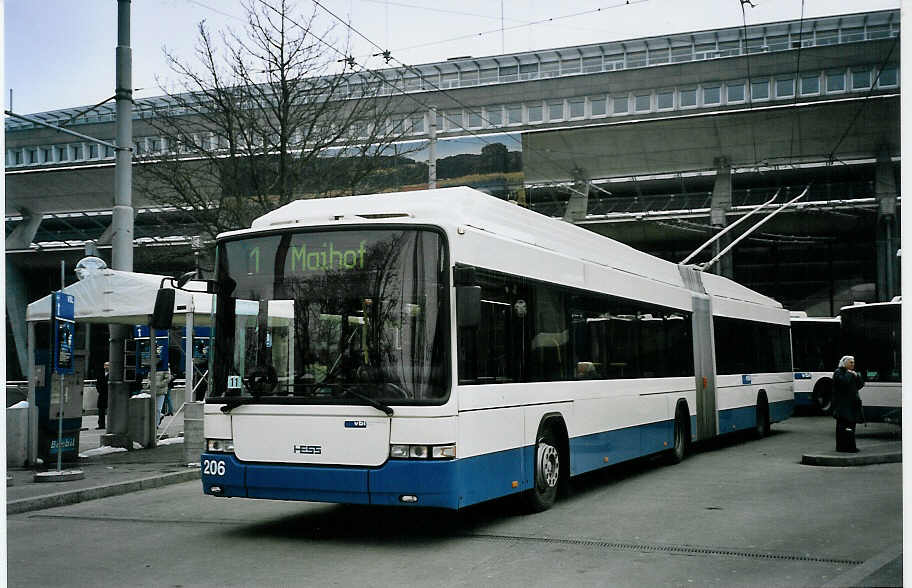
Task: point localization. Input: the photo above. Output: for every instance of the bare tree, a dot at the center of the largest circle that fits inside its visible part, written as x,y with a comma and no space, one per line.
262,118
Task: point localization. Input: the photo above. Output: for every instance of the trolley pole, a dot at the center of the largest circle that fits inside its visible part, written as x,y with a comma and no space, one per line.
122,221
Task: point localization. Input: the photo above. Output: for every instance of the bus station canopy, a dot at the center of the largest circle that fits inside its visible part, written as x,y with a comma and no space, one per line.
117,297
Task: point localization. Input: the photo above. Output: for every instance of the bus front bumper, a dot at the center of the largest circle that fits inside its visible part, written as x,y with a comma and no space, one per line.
405,482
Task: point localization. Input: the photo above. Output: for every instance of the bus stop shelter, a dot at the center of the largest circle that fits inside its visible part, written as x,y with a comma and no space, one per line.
108,296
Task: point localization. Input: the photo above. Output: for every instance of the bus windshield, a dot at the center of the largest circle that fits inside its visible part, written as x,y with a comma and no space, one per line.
873,333
815,345
333,317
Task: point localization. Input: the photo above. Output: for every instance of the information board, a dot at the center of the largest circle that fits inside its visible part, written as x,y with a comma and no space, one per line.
63,324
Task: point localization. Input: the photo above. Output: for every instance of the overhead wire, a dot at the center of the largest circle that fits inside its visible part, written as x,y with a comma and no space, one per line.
870,92
514,27
387,55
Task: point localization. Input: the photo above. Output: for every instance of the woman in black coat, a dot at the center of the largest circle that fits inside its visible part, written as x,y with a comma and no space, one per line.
846,403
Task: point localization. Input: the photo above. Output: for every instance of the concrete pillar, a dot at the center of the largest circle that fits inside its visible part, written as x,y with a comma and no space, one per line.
141,413
194,440
16,303
17,435
720,204
578,203
887,240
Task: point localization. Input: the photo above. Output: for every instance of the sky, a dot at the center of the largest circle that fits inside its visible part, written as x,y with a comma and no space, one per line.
60,53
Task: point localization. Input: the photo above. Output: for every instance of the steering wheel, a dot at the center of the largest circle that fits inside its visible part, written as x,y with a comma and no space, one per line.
397,389
261,380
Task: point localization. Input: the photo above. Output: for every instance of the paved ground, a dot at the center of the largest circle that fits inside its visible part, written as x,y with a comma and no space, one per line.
708,521
105,474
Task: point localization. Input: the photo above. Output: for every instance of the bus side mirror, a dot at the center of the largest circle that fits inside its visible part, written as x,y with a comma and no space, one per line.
163,313
468,306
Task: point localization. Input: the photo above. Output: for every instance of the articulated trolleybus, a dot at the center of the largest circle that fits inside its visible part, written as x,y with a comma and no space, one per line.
443,348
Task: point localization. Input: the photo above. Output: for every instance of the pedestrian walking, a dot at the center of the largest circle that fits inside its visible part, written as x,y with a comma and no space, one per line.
101,385
847,409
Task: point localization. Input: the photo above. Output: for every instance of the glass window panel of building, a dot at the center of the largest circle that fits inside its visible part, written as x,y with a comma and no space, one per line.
735,91
619,105
888,77
835,81
454,120
577,108
760,90
810,84
534,113
861,79
687,97
785,88
494,114
514,114
597,105
555,110
665,100
712,95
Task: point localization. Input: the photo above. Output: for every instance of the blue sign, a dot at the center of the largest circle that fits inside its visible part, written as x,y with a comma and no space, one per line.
63,311
746,379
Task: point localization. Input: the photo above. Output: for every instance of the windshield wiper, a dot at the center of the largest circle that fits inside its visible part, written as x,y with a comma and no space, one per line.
232,402
371,401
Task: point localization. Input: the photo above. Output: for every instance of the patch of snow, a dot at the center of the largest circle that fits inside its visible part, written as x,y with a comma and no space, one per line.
102,451
20,404
171,441
142,395
137,445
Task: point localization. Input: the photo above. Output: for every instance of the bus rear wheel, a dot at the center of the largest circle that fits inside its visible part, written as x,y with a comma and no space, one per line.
547,472
763,418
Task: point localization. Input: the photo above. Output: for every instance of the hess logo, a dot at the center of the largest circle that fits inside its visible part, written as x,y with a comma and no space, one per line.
308,449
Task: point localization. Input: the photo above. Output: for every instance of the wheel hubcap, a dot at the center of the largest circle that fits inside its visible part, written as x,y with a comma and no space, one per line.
548,466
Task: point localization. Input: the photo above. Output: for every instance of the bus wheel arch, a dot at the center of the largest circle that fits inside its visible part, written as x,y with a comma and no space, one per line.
550,465
762,427
822,395
681,434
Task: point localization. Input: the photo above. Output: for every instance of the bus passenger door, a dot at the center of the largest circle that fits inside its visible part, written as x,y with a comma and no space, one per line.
704,368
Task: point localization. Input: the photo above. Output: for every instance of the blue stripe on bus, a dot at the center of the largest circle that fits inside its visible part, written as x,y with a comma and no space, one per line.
452,483
590,452
803,399
745,417
780,411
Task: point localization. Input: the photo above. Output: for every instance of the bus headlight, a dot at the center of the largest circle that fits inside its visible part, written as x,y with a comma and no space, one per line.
423,451
220,445
443,451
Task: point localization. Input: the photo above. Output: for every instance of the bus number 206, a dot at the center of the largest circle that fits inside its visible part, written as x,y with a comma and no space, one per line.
212,467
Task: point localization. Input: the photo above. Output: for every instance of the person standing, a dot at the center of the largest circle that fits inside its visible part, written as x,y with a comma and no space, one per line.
101,385
846,404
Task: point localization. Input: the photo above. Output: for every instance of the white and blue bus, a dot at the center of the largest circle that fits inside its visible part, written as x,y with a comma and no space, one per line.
815,353
443,348
873,334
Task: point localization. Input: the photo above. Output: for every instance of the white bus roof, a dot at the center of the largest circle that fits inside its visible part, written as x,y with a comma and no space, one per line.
897,301
462,206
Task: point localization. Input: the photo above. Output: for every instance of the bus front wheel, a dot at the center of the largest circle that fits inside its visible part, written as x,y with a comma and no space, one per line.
547,472
823,395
